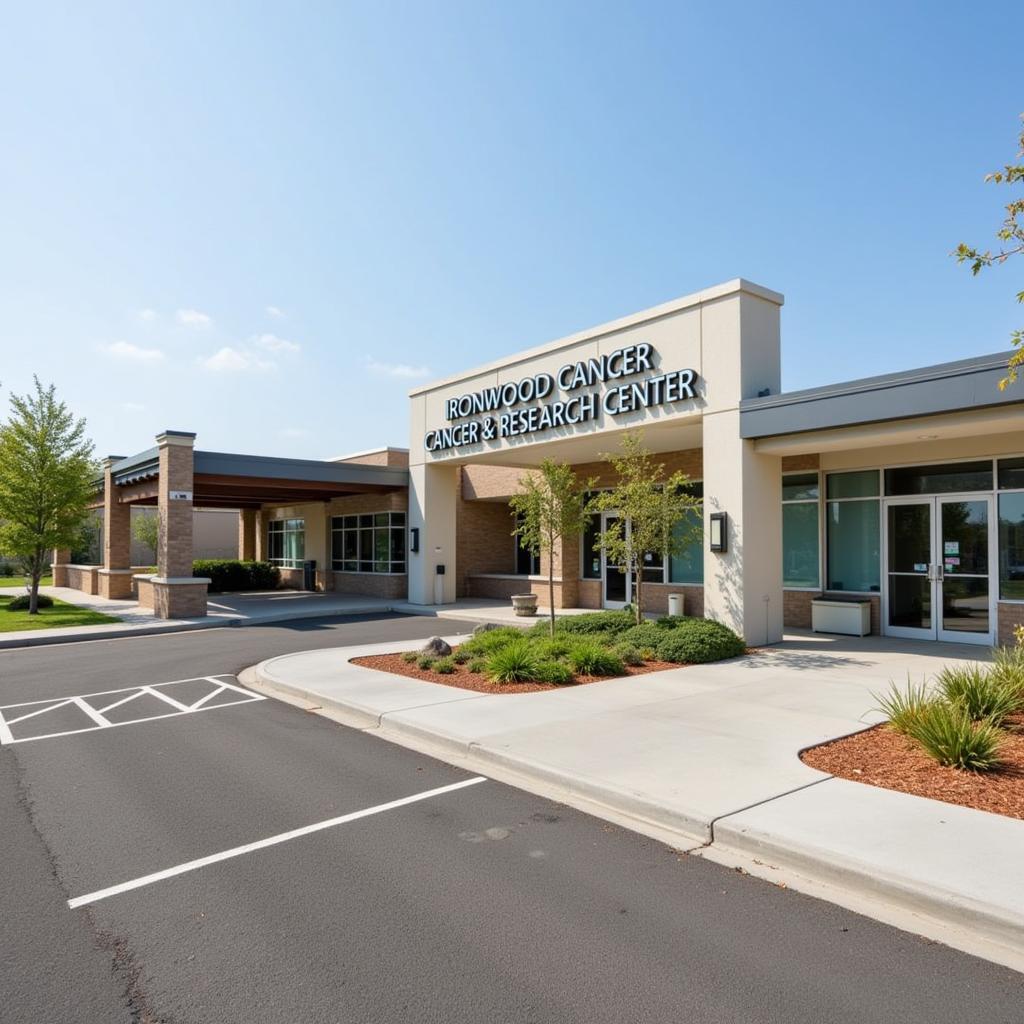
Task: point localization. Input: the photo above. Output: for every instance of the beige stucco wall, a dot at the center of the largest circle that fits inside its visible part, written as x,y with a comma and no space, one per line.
730,336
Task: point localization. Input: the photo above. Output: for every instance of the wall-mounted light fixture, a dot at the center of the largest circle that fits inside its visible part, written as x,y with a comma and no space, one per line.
719,531
414,539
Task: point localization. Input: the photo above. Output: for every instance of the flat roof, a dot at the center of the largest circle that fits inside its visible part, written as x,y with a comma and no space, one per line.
737,284
237,481
928,390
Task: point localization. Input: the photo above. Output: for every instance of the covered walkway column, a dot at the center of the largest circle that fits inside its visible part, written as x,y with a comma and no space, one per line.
433,491
743,583
176,593
247,534
115,577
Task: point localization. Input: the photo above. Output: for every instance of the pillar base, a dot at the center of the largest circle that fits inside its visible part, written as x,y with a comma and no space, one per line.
178,597
115,584
59,574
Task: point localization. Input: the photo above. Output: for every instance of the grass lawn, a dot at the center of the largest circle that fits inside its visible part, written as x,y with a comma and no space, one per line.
59,615
22,581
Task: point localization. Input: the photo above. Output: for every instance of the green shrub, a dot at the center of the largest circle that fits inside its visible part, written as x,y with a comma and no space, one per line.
628,654
461,656
22,601
410,656
903,707
426,662
552,648
591,659
553,672
446,666
516,662
670,621
981,694
695,641
595,622
231,574
493,640
477,665
647,634
947,733
1008,666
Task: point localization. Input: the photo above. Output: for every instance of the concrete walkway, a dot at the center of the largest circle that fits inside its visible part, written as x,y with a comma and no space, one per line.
706,758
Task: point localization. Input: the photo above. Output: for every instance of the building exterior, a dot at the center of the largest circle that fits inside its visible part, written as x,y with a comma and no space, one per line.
904,491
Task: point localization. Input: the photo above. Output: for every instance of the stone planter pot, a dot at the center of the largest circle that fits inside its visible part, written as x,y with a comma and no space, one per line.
524,604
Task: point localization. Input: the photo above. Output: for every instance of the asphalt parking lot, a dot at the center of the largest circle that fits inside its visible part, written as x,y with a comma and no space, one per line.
208,855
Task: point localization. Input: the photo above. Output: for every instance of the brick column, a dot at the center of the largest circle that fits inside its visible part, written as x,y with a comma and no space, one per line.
115,578
59,567
247,534
176,593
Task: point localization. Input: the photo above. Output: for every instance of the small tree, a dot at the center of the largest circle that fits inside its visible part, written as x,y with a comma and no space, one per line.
650,508
549,507
1011,238
46,481
146,530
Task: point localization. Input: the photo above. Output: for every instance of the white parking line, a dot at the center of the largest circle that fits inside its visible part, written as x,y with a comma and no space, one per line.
14,714
282,837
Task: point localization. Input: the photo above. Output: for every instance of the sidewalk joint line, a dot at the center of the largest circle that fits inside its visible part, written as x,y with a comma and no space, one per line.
761,803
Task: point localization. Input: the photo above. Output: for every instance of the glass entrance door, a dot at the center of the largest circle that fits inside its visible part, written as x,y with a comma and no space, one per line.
937,568
964,542
616,584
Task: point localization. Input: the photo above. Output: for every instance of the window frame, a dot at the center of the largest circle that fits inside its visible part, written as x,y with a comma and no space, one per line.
282,528
816,589
365,528
879,472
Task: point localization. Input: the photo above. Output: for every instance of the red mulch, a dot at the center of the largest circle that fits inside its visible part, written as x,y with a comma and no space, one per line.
882,757
466,680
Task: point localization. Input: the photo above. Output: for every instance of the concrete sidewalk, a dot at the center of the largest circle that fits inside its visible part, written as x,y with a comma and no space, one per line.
706,759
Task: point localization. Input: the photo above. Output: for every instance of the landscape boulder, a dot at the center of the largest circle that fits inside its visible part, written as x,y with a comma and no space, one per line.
485,627
437,647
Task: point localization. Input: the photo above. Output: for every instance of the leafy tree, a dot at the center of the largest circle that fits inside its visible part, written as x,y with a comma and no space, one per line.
46,480
146,530
650,508
549,507
1011,238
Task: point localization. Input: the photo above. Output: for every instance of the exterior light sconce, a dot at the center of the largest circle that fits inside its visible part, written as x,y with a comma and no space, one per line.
719,531
414,540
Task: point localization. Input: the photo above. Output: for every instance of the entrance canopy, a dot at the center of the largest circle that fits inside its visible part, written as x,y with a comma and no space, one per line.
223,480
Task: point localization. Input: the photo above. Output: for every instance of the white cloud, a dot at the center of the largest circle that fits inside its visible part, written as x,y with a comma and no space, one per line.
135,353
133,407
193,318
399,370
275,312
234,360
147,315
272,343
294,432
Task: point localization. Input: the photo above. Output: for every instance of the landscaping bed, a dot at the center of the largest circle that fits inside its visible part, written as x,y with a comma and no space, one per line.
883,757
584,649
959,739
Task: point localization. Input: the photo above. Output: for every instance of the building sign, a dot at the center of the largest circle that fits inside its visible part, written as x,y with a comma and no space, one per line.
180,495
573,395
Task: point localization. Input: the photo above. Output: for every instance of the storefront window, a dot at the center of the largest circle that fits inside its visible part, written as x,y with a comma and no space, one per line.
527,563
687,565
1011,546
853,538
286,542
800,531
373,542
591,555
940,479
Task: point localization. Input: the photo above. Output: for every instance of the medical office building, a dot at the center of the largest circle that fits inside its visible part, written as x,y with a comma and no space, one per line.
904,491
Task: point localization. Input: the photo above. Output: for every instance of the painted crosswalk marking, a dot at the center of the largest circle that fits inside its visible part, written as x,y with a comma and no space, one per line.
92,713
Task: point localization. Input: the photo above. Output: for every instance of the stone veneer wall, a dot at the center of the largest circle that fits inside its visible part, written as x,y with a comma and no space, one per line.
83,578
372,584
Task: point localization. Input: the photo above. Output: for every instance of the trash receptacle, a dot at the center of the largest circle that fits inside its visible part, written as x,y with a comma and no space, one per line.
675,604
309,575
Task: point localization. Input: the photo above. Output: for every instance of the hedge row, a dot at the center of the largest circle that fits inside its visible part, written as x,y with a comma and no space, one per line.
227,574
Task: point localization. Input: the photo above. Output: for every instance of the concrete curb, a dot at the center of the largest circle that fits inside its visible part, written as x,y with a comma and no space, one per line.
40,639
981,929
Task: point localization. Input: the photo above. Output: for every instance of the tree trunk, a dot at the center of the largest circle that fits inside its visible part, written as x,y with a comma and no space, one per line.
638,576
551,582
35,571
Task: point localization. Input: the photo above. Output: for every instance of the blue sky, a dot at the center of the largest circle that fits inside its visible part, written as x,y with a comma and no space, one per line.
266,222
